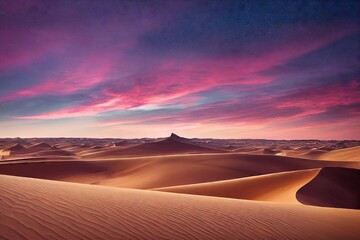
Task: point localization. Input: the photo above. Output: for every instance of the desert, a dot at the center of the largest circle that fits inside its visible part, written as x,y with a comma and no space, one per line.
172,119
174,188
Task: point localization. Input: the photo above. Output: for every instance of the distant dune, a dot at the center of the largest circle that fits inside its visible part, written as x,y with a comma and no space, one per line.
346,154
55,152
56,170
41,146
169,146
333,187
313,154
276,187
35,148
42,209
15,148
270,151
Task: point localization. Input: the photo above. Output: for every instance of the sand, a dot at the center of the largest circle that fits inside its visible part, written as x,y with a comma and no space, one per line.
178,188
276,187
346,154
332,187
168,146
161,171
42,209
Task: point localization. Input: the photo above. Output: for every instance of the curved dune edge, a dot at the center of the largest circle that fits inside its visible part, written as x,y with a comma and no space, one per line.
43,209
277,187
333,187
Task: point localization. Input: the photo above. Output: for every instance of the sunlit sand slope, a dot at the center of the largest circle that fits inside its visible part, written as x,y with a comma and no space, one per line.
276,187
346,154
43,209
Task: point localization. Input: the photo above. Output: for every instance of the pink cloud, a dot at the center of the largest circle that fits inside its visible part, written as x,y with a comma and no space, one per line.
326,96
318,103
176,78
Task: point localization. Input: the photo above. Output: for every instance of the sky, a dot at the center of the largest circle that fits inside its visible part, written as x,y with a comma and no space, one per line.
221,69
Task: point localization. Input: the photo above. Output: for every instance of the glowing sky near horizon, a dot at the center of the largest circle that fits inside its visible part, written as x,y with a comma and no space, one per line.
225,69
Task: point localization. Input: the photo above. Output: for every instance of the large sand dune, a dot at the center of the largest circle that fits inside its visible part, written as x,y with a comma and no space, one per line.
42,209
333,187
15,148
162,171
277,187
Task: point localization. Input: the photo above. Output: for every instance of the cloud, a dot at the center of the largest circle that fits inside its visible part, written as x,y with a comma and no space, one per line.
229,63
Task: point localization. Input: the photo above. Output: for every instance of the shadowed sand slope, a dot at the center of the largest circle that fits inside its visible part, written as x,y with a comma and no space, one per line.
59,170
42,209
54,152
333,187
15,148
277,187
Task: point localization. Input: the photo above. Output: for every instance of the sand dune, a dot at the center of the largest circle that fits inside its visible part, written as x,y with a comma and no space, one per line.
333,187
55,152
277,187
158,172
165,171
18,149
171,145
313,154
41,146
41,209
346,154
270,151
15,148
59,170
245,150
